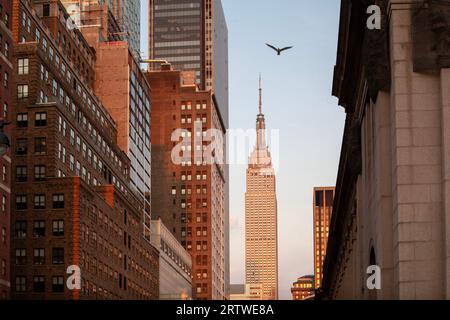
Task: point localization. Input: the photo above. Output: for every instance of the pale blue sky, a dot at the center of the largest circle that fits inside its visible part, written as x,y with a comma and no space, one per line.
297,101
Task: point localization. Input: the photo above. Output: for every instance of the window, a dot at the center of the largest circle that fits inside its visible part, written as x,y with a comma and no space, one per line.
58,256
3,270
4,201
5,79
58,201
71,162
39,229
21,202
3,235
22,120
39,173
39,201
46,10
23,65
58,228
22,91
21,147
21,284
5,110
20,231
39,257
39,284
41,119
58,284
21,174
40,146
21,256
4,173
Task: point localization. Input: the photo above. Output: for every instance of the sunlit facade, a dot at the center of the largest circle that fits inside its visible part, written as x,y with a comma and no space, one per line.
303,288
261,235
323,208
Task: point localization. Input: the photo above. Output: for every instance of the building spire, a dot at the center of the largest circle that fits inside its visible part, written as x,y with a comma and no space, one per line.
260,95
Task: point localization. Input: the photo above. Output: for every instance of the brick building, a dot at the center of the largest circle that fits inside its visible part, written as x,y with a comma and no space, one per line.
72,200
6,73
123,89
189,196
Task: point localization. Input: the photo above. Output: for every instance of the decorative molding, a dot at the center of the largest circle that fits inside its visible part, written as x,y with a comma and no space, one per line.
376,54
431,36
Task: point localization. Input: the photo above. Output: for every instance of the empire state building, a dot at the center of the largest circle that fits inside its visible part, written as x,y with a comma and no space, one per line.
261,235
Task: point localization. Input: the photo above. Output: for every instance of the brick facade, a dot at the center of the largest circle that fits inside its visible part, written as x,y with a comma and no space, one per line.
72,201
6,75
189,198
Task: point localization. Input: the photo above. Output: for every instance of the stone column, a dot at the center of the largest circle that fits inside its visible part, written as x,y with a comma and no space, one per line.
416,166
445,96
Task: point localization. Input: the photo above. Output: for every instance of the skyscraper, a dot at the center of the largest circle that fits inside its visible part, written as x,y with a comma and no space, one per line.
193,36
261,235
125,12
323,208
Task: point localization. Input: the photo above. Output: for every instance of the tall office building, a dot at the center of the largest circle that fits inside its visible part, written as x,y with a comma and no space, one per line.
72,201
125,12
193,36
323,208
189,195
6,72
261,235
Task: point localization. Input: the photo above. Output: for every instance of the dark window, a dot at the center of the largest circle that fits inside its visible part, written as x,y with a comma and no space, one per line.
21,147
39,284
319,198
39,201
58,228
39,229
39,173
58,284
58,256
21,284
22,120
46,10
39,257
21,256
41,119
58,201
21,229
21,202
21,174
40,146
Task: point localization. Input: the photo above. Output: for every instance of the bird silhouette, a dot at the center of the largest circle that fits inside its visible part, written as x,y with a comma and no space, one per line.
278,50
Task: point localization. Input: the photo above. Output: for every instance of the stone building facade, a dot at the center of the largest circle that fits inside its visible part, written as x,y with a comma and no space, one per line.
392,202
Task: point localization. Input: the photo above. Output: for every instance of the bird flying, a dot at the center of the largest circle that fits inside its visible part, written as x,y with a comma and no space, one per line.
278,50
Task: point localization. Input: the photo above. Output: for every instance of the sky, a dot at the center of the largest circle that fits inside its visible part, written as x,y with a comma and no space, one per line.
297,101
